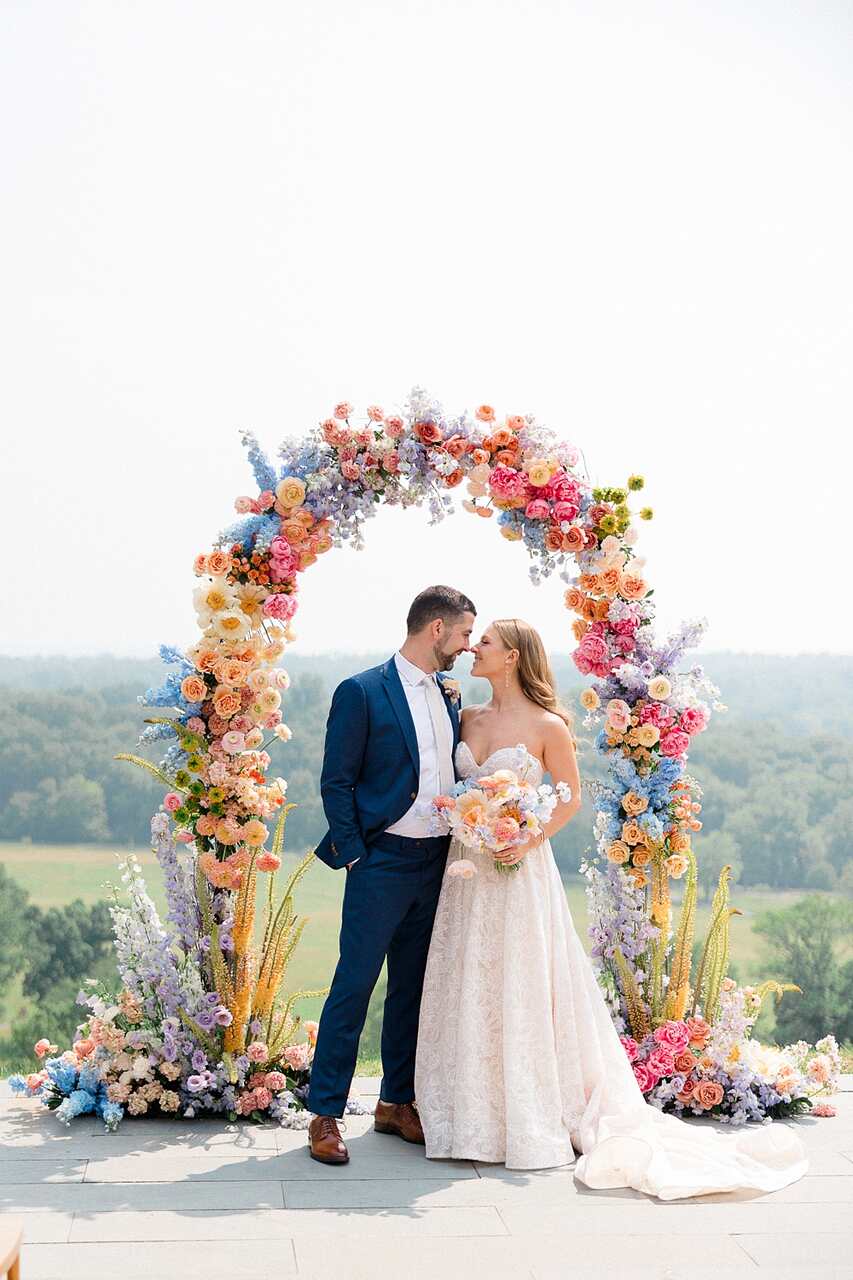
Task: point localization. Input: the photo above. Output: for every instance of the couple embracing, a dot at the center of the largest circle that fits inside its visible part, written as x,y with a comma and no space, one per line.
497,1043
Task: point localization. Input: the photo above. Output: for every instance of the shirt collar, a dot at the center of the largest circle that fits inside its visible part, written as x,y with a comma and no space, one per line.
409,672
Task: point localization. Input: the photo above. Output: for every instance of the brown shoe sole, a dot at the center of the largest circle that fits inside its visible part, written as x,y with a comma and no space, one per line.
398,1133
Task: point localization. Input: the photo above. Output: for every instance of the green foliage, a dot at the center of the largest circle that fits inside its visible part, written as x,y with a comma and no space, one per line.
809,944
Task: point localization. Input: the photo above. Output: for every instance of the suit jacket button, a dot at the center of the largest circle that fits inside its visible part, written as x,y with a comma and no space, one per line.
414,795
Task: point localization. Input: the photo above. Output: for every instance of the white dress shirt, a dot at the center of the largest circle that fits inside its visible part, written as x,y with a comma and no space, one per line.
436,758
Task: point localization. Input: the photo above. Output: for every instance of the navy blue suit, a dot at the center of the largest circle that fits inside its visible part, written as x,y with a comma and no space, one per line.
370,777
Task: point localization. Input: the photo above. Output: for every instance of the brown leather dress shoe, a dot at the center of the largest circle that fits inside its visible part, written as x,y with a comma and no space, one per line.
325,1141
401,1119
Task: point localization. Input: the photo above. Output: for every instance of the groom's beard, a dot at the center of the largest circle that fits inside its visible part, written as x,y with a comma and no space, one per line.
443,661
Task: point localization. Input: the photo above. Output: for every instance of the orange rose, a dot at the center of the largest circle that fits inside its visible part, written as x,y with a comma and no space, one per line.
698,1030
618,852
218,562
632,833
453,479
573,540
226,702
485,413
708,1093
632,587
515,422
207,660
505,456
428,432
501,438
479,457
686,1094
574,599
294,531
303,515
193,688
634,804
579,628
589,581
641,856
684,1063
456,446
639,877
553,539
609,579
588,610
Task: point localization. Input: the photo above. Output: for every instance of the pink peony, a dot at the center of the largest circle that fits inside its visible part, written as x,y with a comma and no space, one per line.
281,607
537,509
507,484
564,512
629,1044
674,743
645,1077
662,1062
673,1036
693,720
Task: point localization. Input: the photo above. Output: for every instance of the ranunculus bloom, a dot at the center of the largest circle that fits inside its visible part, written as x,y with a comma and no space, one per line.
659,688
485,413
232,742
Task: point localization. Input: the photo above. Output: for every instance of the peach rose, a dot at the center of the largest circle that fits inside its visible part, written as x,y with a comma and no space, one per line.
698,1030
632,832
485,413
679,842
579,628
634,804
193,688
226,702
573,540
553,539
589,700
574,599
290,492
618,852
632,587
218,562
708,1093
684,1062
676,865
608,579
647,734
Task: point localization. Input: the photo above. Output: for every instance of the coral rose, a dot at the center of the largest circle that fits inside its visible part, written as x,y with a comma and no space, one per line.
573,540
485,413
574,599
632,587
428,432
684,1062
193,688
708,1093
218,562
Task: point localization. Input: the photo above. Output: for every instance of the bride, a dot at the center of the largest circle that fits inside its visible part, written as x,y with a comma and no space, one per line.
518,1059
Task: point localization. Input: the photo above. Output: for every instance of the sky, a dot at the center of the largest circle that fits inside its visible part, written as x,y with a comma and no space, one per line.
630,220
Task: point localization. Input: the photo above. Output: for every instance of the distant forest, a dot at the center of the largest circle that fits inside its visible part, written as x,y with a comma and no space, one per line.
775,768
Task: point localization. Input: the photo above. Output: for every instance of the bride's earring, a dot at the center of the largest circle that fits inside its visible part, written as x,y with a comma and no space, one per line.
506,675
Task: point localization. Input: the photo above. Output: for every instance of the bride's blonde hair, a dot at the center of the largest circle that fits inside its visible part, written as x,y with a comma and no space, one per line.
534,669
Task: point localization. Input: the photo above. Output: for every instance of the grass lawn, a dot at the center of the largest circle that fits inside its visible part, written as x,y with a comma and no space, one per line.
56,874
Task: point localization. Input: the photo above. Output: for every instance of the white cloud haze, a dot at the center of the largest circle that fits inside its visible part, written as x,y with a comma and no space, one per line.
631,220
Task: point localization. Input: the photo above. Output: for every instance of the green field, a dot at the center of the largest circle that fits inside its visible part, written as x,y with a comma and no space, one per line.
56,874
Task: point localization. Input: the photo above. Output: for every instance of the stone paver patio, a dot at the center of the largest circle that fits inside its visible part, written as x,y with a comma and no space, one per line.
162,1201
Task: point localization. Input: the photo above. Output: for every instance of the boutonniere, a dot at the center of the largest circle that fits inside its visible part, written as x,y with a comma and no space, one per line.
452,689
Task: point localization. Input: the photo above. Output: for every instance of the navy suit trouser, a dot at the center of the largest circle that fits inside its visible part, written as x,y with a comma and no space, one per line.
388,911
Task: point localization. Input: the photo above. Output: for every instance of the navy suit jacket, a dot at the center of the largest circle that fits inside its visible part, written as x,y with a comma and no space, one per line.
371,764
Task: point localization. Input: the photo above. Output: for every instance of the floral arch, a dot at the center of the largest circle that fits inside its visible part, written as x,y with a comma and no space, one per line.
200,996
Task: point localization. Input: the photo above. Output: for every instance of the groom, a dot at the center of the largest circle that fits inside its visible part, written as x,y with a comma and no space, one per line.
390,740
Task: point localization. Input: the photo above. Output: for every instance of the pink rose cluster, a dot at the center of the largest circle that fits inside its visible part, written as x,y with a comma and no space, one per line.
593,657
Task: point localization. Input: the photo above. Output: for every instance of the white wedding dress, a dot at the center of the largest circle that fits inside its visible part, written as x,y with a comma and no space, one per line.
519,1062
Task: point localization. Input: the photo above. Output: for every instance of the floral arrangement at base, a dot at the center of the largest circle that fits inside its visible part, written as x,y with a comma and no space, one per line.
692,1068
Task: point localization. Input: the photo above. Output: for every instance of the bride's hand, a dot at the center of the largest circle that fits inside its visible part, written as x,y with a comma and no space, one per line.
509,857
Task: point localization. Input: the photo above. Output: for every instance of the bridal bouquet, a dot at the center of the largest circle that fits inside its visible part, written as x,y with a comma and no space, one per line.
498,812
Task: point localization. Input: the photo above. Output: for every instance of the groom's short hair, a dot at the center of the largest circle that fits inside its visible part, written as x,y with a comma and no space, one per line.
437,602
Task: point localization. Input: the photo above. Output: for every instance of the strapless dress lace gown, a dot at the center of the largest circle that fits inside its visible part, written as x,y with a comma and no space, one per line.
519,1062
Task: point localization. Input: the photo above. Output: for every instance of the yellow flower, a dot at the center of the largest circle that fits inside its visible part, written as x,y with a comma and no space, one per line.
510,533
290,492
647,734
590,700
659,688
